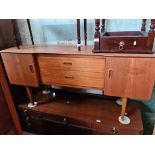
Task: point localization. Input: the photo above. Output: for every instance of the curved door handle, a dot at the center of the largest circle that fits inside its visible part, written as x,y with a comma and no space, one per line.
31,68
110,73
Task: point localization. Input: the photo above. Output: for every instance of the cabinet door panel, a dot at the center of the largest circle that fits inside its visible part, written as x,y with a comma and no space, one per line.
20,68
129,77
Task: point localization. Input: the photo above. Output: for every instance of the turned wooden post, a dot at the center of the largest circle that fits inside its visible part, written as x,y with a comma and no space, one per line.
78,35
124,102
85,31
30,95
14,32
103,25
152,26
30,30
97,35
151,35
143,28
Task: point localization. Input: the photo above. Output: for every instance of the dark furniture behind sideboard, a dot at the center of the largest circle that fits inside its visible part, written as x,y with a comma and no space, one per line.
76,113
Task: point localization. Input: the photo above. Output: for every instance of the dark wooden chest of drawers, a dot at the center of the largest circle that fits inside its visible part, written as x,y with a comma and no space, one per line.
72,113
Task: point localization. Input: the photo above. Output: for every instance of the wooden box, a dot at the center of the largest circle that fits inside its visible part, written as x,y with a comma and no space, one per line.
124,42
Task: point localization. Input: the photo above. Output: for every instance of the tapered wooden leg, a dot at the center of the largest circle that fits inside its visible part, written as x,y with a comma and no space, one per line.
30,95
46,90
124,102
124,119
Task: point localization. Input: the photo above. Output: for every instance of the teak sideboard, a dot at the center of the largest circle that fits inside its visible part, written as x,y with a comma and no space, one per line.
123,75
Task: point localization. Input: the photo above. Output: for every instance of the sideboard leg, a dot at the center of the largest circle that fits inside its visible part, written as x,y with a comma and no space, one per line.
124,119
30,95
124,103
46,91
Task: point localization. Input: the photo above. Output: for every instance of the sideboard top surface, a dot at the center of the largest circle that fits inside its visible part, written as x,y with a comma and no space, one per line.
68,50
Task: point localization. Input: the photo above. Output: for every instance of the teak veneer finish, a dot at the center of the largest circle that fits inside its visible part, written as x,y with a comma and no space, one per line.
129,77
72,71
123,75
69,50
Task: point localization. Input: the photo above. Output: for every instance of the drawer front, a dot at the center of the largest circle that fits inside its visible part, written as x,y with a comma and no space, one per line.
71,63
73,78
130,43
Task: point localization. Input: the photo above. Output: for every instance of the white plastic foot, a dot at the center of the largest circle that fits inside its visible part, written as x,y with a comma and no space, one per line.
119,101
46,92
53,94
126,120
30,105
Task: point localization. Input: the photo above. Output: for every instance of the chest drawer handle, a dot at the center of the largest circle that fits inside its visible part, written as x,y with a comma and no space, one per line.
67,63
114,130
121,45
69,77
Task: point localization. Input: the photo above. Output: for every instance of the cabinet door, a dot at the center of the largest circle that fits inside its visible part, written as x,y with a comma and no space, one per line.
20,68
129,77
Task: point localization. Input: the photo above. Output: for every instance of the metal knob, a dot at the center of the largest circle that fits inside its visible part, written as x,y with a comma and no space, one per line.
114,130
121,45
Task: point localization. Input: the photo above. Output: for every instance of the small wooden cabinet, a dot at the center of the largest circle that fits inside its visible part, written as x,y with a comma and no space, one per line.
129,77
21,69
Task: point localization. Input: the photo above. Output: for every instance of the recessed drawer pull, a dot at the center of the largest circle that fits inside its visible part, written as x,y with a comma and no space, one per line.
110,72
67,63
31,68
69,77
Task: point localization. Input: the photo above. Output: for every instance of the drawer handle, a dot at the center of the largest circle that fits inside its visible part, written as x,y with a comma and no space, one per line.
121,45
110,72
31,68
69,77
114,130
67,63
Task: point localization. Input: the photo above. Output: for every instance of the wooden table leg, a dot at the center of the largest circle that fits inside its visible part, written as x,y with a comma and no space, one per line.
46,91
124,102
30,95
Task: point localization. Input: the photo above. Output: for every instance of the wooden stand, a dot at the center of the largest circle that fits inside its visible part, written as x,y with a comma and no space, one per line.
120,42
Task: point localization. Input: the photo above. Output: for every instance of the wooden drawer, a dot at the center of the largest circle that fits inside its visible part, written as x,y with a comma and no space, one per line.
73,78
76,63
